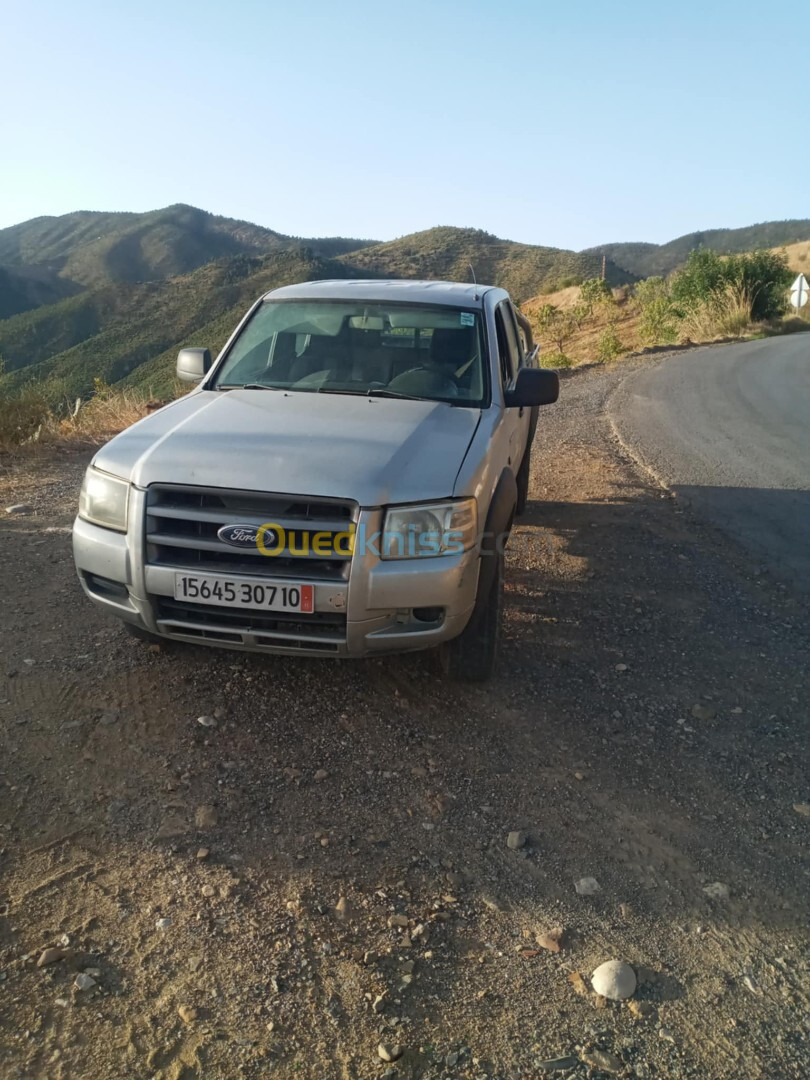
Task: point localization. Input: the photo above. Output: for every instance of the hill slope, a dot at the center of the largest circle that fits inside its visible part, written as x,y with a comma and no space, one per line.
447,253
95,249
646,260
133,332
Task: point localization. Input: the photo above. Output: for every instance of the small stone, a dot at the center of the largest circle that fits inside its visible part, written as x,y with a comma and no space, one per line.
187,1013
378,1004
63,1003
343,909
579,776
208,890
614,980
626,911
666,1034
203,853
398,920
717,890
551,941
205,817
163,924
51,956
601,1059
578,983
516,840
389,1051
587,886
83,981
94,971
703,712
321,774
621,667
802,808
452,1059
19,508
207,721
172,827
560,1064
737,711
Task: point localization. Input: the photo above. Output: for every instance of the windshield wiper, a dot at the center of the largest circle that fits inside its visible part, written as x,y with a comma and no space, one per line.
382,392
248,386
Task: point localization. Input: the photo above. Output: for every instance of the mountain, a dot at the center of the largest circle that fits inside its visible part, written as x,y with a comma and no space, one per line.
94,249
448,254
131,333
647,260
29,287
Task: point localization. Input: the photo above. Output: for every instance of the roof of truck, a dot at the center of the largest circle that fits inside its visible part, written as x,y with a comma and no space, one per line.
452,293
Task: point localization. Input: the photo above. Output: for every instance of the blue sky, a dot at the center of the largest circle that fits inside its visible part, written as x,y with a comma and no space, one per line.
565,124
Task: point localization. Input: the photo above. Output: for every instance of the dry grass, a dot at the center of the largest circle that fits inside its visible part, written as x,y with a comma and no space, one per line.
798,256
725,314
28,420
586,344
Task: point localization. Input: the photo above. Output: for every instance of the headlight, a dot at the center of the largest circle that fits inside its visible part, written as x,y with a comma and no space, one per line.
104,500
412,532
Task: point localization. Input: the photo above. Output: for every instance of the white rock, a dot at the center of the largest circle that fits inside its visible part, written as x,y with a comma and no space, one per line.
83,981
717,891
206,721
614,980
587,886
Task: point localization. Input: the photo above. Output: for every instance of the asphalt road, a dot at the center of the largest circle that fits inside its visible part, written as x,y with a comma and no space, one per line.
729,429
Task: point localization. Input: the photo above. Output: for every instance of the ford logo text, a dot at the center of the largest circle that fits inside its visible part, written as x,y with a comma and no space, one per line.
243,536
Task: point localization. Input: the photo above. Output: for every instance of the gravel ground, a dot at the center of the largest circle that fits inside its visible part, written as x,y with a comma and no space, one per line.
324,877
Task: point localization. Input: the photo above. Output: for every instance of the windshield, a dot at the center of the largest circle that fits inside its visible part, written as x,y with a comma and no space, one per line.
343,347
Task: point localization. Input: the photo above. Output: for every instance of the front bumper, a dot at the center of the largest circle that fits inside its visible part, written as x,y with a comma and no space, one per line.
370,613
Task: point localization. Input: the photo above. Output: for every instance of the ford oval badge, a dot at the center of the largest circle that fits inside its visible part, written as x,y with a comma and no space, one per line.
244,536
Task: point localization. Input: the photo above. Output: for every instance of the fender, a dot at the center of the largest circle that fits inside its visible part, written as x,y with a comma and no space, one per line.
498,524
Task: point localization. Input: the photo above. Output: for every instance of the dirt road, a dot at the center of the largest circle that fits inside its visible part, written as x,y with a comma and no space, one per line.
327,870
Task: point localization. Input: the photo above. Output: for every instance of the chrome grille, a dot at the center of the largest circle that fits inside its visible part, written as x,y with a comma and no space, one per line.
182,525
319,632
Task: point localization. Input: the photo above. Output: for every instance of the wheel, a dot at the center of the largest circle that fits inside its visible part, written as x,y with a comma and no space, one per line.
142,635
471,656
522,480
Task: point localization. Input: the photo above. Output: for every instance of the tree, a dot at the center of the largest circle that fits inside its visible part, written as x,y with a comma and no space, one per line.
594,291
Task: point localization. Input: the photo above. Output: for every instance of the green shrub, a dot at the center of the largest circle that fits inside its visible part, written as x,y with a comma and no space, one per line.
658,322
758,278
609,346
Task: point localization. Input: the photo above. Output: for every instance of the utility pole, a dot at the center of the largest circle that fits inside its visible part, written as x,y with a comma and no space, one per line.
604,266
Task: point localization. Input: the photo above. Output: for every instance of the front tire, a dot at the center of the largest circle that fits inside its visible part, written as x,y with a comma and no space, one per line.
471,657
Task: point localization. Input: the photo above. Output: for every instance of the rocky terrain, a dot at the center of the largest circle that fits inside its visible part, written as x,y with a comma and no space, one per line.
217,865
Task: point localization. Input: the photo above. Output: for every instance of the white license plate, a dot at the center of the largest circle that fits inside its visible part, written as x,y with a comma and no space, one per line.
233,592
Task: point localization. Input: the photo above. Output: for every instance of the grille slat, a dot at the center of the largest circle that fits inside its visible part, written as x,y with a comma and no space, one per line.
182,524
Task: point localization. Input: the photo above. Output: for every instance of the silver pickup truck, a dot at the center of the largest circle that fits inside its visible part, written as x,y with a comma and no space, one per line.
341,481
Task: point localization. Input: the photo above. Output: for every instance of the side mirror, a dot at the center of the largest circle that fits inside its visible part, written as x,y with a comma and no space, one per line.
193,364
533,386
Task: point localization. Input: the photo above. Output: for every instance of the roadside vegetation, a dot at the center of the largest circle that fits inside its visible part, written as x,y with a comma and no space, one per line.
712,298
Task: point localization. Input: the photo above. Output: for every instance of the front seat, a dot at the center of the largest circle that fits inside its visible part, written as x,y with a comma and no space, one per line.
451,349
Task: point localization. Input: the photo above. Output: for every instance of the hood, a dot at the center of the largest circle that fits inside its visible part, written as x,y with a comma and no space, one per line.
372,450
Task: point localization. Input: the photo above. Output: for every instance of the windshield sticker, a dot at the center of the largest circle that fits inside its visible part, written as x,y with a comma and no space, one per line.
466,319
